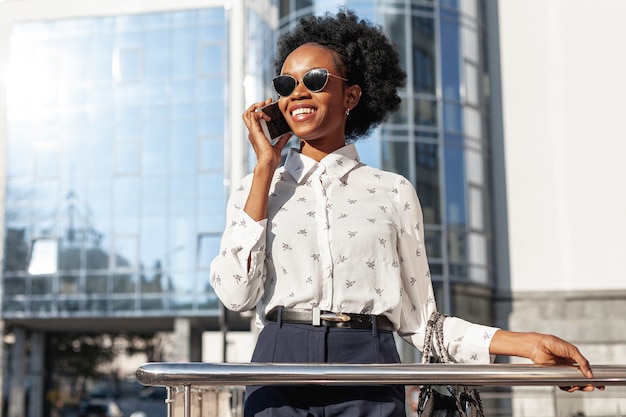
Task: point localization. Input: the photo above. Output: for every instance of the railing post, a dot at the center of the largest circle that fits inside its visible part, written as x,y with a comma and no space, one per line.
187,401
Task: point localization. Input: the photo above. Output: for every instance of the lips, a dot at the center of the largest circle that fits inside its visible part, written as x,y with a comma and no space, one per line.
302,111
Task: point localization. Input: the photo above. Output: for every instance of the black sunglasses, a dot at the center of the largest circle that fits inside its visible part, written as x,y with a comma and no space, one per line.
314,80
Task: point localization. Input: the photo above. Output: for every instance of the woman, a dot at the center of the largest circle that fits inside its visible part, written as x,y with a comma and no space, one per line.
329,250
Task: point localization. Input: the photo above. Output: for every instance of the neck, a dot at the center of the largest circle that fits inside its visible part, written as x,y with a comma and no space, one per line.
318,151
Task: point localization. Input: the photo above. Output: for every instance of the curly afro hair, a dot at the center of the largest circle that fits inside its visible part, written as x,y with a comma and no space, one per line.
368,58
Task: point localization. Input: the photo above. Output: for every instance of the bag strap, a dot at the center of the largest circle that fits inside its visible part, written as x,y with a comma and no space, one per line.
428,337
434,333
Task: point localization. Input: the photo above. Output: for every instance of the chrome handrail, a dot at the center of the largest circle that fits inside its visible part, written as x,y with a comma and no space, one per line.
201,374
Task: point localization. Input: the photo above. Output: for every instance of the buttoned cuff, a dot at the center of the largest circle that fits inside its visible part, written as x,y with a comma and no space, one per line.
468,342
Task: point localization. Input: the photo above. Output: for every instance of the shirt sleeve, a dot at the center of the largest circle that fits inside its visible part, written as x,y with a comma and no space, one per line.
464,341
238,271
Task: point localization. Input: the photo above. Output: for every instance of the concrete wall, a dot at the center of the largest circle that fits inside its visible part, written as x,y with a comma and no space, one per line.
563,90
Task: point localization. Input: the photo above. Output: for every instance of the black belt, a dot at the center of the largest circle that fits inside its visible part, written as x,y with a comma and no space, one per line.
329,319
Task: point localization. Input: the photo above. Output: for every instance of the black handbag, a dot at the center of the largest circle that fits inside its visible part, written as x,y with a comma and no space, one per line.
453,402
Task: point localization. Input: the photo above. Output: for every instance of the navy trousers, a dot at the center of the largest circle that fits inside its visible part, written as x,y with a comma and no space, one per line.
299,343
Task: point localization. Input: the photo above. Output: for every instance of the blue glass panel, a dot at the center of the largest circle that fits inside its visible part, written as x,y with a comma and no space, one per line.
211,89
210,215
211,184
154,188
157,60
182,207
453,117
183,53
127,158
182,236
211,154
182,186
211,205
184,17
427,181
370,151
126,189
154,207
125,252
155,112
20,163
212,15
211,59
395,156
183,147
215,33
456,206
155,150
450,60
183,90
208,248
423,42
155,252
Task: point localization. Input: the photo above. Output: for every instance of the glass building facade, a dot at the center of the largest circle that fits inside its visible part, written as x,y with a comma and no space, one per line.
115,163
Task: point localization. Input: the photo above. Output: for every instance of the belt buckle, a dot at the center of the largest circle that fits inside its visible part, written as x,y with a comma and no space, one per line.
335,317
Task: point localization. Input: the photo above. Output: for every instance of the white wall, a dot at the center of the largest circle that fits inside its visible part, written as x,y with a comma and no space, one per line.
564,107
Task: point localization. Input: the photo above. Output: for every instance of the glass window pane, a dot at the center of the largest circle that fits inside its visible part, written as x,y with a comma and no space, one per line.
127,158
69,284
433,244
396,157
455,186
154,250
472,84
41,285
14,286
211,59
426,112
208,248
125,252
183,147
124,283
157,54
211,154
96,284
424,79
427,181
473,123
476,209
183,53
395,28
450,57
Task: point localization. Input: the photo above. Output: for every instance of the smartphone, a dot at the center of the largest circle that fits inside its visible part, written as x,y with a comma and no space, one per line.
276,127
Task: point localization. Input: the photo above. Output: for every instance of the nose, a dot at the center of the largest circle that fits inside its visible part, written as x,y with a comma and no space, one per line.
300,89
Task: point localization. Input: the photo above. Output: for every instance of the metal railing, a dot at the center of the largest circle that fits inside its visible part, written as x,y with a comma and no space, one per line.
186,381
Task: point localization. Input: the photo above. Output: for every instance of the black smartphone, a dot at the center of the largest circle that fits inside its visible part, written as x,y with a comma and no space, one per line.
276,127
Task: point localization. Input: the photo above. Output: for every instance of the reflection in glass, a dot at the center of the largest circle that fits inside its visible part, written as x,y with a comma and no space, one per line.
396,155
427,181
424,80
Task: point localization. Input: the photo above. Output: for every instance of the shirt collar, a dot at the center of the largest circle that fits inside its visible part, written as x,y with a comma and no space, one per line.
337,163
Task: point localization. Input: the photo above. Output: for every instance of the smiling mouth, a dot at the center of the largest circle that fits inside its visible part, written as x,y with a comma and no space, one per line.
302,110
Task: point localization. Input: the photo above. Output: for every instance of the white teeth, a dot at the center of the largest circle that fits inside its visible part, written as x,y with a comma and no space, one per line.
302,110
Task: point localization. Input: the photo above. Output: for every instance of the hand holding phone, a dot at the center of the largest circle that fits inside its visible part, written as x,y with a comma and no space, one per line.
277,126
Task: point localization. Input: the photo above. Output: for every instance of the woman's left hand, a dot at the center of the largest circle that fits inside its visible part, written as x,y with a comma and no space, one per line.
543,349
551,350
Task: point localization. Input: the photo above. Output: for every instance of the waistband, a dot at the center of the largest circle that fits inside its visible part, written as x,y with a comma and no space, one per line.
330,319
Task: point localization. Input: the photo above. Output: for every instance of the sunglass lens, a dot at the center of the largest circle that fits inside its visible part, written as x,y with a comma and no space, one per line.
316,79
284,85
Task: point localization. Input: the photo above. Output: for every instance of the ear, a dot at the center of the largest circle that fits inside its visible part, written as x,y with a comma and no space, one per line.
353,95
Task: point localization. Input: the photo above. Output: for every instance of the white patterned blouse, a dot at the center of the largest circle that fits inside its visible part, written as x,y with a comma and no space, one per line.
340,236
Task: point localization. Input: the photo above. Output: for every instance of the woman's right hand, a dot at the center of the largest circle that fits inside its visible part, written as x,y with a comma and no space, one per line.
265,152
